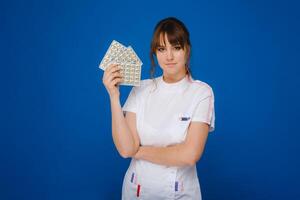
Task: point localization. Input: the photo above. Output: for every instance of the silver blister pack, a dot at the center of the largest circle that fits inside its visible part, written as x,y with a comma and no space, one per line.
114,51
128,60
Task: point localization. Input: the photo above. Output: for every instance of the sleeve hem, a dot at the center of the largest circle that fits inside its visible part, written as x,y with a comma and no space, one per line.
211,128
128,110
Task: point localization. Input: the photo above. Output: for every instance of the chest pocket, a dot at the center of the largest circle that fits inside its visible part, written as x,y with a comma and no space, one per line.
178,129
171,133
168,125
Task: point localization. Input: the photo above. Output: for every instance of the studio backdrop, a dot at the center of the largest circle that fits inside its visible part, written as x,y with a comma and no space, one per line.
55,135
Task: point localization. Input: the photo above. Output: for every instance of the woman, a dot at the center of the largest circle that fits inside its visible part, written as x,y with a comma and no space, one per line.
164,123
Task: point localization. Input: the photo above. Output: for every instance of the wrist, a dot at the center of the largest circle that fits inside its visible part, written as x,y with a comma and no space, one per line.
114,98
139,153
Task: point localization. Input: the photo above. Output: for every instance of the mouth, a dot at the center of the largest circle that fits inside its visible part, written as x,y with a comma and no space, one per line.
170,64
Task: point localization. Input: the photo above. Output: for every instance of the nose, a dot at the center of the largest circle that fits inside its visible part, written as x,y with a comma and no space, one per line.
170,55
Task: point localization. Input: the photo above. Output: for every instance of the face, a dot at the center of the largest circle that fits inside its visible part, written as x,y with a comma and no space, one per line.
171,58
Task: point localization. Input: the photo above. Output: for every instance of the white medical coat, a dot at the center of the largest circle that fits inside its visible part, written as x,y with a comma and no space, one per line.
163,113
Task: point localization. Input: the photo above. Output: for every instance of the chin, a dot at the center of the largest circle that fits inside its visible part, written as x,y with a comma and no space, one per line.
171,73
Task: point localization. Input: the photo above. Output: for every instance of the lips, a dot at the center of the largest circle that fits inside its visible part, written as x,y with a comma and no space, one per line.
170,64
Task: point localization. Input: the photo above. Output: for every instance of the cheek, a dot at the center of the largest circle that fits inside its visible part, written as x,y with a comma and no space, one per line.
159,57
181,57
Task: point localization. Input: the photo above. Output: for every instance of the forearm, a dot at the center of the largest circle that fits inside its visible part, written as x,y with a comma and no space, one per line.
176,155
122,137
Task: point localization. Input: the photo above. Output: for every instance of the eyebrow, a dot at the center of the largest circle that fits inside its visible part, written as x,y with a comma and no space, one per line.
173,45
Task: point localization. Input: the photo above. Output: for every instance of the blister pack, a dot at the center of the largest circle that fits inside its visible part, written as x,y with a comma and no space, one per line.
128,60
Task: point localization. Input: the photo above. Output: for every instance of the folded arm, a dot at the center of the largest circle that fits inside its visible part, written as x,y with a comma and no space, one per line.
182,154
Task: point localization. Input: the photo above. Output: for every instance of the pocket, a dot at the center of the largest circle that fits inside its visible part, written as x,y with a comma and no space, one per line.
180,124
184,121
137,188
129,191
132,189
187,191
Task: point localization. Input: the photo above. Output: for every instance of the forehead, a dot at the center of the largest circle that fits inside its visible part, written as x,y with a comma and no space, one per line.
166,40
163,39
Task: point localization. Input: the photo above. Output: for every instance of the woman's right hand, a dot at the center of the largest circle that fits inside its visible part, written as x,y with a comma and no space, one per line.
111,78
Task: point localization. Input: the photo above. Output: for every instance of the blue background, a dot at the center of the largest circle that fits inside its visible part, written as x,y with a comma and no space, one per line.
55,140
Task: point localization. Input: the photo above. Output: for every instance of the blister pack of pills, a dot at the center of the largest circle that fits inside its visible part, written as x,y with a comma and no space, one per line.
128,60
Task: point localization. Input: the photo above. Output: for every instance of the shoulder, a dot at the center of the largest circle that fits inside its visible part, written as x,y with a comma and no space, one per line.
145,85
201,88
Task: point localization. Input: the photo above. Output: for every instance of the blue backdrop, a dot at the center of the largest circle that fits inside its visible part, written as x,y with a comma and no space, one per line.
55,140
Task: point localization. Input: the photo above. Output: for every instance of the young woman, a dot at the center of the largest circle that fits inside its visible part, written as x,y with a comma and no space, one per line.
166,121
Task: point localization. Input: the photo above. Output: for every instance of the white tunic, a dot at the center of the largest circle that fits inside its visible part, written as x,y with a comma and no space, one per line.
163,113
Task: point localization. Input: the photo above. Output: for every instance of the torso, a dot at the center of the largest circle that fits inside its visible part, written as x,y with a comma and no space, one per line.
163,116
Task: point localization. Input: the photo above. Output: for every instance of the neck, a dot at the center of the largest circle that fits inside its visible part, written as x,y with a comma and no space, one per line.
173,79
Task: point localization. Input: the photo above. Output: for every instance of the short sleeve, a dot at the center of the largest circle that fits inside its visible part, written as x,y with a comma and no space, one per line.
205,110
131,103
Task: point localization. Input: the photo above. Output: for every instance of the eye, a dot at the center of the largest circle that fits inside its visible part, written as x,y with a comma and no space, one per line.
160,49
177,48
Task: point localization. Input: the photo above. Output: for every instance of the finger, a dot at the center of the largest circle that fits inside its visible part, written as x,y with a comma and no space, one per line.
112,67
112,81
112,71
112,76
117,81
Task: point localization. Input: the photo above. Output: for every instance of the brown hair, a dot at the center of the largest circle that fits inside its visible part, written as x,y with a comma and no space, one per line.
177,34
